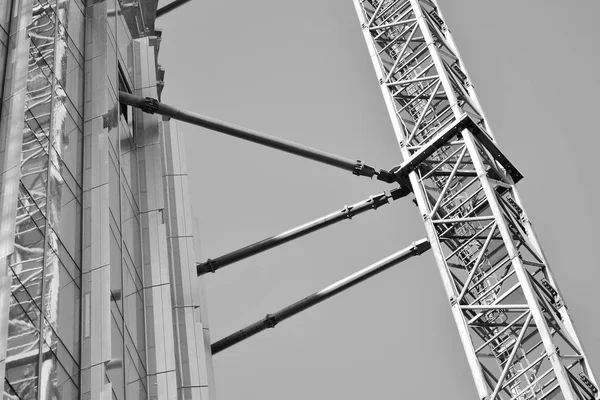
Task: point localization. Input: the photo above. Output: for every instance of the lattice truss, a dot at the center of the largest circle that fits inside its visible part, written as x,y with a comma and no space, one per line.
513,323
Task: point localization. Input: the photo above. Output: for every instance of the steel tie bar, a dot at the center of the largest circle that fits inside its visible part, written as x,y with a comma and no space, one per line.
271,320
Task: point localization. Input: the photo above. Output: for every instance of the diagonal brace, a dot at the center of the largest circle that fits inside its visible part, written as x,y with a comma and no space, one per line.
271,320
372,203
151,106
170,7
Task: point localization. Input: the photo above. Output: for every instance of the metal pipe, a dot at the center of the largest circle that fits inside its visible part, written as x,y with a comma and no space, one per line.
170,7
152,106
271,320
372,203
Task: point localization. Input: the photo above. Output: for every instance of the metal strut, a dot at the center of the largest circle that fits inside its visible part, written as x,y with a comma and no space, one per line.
271,320
170,7
151,106
372,203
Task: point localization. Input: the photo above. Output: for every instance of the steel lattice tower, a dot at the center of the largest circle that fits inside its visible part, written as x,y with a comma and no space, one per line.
516,332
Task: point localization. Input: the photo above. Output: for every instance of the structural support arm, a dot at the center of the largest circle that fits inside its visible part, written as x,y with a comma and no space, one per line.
372,203
170,7
271,320
152,106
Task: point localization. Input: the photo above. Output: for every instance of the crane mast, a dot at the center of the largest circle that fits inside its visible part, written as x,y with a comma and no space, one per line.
514,326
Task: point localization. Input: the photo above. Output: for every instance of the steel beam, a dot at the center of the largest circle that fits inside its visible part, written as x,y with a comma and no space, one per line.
372,203
271,320
170,7
152,106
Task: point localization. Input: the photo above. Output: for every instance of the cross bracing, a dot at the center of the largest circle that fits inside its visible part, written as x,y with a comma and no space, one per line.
517,335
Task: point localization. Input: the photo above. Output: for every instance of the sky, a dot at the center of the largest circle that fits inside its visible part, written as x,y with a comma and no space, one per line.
300,70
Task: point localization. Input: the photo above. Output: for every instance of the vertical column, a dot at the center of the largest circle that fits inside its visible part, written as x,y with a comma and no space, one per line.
99,105
162,380
192,341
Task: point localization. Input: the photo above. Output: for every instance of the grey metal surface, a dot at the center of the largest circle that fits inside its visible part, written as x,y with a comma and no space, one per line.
96,339
194,368
162,382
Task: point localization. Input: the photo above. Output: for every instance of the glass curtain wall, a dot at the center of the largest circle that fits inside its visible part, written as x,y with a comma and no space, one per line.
43,348
128,369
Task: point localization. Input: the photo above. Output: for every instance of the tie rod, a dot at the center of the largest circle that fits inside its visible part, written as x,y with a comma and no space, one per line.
151,106
271,320
372,203
170,7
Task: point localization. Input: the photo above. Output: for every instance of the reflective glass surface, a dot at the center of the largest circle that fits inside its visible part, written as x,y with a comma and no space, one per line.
44,318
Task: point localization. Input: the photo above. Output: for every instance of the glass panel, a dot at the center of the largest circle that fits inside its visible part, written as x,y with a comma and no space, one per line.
113,10
9,391
4,19
131,282
125,48
48,172
113,188
115,366
62,306
75,24
26,262
65,211
131,225
53,343
22,355
136,350
66,259
136,391
116,273
111,63
41,33
131,372
56,380
73,82
134,310
26,206
3,55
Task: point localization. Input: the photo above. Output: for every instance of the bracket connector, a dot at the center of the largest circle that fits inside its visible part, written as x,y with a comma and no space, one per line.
150,105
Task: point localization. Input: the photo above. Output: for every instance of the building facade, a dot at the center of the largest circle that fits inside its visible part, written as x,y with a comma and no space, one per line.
98,293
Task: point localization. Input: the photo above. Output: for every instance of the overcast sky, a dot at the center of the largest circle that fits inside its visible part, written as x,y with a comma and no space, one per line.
300,70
